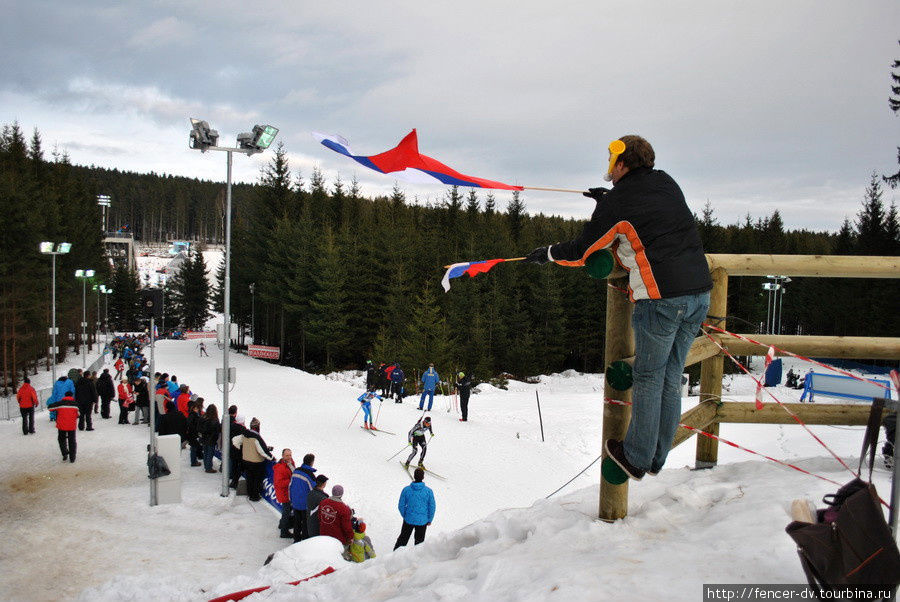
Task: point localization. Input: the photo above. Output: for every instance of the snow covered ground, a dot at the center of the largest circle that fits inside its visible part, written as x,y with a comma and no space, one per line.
86,531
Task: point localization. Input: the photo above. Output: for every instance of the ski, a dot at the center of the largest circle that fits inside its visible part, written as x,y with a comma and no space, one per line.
434,474
368,431
406,468
378,430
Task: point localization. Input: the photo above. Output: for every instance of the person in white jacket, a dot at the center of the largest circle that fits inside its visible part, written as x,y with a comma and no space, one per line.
254,453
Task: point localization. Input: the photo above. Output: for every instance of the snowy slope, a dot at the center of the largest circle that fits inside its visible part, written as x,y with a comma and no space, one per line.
494,537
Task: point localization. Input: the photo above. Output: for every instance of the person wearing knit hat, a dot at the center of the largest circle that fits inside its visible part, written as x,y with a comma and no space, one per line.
334,517
361,547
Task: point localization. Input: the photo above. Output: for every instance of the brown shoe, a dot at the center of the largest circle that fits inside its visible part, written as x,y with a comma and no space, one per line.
616,450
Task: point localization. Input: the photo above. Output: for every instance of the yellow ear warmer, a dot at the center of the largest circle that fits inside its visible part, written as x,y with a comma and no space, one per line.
616,148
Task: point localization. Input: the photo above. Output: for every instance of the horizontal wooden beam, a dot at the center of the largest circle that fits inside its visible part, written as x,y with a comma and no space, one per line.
699,417
701,349
887,348
829,266
810,413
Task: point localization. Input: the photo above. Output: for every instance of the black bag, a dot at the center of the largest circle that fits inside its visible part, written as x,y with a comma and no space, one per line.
157,466
856,548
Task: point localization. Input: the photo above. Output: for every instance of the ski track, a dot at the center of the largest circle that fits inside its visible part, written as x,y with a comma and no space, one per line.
87,532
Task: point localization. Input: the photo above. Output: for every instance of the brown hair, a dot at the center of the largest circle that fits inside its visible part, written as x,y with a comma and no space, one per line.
638,152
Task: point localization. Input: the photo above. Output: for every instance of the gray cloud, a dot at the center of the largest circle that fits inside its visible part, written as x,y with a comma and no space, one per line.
754,106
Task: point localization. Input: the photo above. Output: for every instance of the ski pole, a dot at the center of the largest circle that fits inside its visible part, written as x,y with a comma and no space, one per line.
399,452
380,401
354,416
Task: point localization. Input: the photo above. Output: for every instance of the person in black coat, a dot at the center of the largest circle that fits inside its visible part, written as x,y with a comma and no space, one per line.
142,402
194,422
84,397
173,422
464,386
106,388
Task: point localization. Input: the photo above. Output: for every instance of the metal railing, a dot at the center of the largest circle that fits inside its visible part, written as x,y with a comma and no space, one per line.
9,406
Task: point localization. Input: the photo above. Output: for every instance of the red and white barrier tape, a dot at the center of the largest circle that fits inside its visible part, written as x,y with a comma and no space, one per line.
783,407
794,355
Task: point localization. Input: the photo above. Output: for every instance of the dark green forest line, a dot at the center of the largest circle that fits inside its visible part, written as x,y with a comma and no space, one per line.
340,278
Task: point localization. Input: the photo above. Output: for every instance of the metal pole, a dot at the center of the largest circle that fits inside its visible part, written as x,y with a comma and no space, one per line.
97,329
106,315
152,390
83,323
540,418
253,313
53,327
780,306
226,310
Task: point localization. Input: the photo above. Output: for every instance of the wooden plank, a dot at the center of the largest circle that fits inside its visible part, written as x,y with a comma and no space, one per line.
829,266
817,346
810,413
700,417
702,348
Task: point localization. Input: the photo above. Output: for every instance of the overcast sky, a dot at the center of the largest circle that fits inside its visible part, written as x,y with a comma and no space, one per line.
751,106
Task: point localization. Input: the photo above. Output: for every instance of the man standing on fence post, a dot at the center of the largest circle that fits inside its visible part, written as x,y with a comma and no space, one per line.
645,221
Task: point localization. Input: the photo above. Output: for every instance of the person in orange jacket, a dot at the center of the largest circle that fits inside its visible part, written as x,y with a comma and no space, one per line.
66,423
281,475
27,398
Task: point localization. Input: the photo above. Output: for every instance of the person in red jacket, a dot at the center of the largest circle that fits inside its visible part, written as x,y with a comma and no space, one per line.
120,367
126,398
183,399
66,423
28,400
282,471
334,517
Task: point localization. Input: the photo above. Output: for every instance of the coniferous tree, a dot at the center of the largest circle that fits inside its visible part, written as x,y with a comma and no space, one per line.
190,292
328,317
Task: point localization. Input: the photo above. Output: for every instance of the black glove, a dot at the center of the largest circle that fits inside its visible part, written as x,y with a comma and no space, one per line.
596,193
538,256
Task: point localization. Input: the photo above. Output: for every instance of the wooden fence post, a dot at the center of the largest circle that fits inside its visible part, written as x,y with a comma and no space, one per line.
711,369
619,345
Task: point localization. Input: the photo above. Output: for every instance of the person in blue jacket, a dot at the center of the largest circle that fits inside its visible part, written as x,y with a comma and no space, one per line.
430,379
61,387
397,377
366,400
303,480
417,507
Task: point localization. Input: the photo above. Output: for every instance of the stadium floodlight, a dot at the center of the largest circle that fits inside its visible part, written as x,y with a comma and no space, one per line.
201,136
258,140
47,249
203,139
84,276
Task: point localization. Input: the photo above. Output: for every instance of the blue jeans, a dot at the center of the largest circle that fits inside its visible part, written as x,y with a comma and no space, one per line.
664,330
430,395
208,451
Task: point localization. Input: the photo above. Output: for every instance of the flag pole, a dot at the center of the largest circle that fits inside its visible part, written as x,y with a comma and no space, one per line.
552,189
447,267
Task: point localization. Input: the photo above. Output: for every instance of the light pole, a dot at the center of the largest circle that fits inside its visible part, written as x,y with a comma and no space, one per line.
774,302
47,248
84,276
106,292
203,138
105,202
253,313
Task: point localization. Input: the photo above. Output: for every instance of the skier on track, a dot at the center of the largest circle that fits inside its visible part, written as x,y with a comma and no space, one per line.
202,346
366,400
416,438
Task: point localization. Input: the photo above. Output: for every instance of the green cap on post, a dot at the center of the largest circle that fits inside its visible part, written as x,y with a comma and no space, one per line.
611,472
618,375
599,264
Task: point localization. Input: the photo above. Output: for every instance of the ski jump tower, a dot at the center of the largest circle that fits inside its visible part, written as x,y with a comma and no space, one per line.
712,410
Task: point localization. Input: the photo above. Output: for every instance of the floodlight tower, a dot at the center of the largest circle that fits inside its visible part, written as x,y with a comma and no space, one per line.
47,248
203,138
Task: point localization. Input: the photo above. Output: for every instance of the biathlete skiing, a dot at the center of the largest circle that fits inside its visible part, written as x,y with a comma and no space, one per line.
416,438
366,400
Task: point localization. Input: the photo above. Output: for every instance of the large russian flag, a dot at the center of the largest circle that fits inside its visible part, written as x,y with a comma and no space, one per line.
405,163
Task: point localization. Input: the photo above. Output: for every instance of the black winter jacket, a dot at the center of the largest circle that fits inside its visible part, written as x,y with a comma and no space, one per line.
651,231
